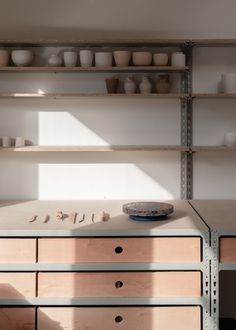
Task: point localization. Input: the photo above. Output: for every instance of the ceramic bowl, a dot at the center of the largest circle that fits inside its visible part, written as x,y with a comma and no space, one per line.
22,57
103,59
160,59
122,57
4,57
142,58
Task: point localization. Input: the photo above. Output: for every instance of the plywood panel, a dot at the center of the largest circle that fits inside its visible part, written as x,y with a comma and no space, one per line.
17,318
228,249
17,251
151,284
96,250
161,318
17,285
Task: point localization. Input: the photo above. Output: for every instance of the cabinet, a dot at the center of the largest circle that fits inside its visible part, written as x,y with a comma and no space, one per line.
105,274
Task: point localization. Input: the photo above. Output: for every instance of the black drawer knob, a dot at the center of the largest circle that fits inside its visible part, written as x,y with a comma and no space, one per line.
118,249
118,319
119,284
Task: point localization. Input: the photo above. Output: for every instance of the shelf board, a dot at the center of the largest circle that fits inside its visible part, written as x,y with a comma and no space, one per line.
212,148
90,95
95,148
214,42
214,96
133,69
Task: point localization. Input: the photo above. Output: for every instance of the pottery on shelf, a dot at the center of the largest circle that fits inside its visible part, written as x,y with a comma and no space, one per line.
112,85
22,57
145,87
142,58
54,60
103,59
230,139
228,82
163,84
70,58
4,57
178,59
122,57
160,59
86,58
130,86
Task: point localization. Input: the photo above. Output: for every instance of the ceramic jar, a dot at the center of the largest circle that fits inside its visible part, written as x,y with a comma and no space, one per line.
4,57
86,58
230,139
145,86
122,57
178,59
228,82
103,59
129,86
163,84
142,58
112,85
70,58
54,60
160,59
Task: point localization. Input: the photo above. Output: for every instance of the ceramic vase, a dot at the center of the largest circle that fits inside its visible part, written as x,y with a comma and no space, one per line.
54,60
129,86
70,58
163,84
4,57
145,86
112,85
86,58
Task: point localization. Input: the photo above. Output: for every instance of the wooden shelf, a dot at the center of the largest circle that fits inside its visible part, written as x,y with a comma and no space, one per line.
214,42
214,96
95,148
78,69
90,95
212,148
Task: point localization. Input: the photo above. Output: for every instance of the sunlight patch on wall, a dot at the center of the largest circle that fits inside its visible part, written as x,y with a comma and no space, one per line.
62,128
97,181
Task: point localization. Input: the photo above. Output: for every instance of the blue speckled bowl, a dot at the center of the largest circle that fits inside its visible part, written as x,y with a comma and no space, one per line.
147,211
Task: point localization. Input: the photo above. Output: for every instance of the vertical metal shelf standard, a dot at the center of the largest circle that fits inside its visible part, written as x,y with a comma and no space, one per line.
186,128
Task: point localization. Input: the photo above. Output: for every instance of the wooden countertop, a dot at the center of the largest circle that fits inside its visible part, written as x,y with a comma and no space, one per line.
15,217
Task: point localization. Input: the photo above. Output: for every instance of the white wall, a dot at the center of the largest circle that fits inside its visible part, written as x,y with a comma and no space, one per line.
103,121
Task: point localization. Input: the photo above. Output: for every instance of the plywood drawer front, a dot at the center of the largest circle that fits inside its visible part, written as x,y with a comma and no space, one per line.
151,284
17,318
85,250
144,318
17,250
228,249
17,285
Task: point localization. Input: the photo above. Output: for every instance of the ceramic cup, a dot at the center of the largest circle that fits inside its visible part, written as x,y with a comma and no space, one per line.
103,59
6,141
70,58
20,142
230,139
178,59
86,58
122,57
228,81
160,59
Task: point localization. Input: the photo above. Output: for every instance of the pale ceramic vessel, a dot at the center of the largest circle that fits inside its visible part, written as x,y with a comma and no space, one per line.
160,59
54,60
19,142
6,141
129,86
86,58
122,57
70,58
4,57
145,86
178,59
228,82
103,59
163,84
22,57
230,139
142,58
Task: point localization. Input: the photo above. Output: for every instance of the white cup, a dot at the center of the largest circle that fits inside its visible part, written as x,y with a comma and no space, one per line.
20,142
103,59
230,139
86,58
178,59
70,58
6,141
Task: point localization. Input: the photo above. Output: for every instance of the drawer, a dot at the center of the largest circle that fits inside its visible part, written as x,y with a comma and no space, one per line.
17,318
17,285
137,284
131,318
95,250
17,250
228,249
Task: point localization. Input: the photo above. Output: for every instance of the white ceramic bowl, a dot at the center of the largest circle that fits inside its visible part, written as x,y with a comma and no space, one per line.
142,58
22,57
122,57
160,59
103,59
4,57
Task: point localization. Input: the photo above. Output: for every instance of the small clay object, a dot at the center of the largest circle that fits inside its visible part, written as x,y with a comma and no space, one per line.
83,218
92,217
72,217
47,218
104,216
59,215
34,218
